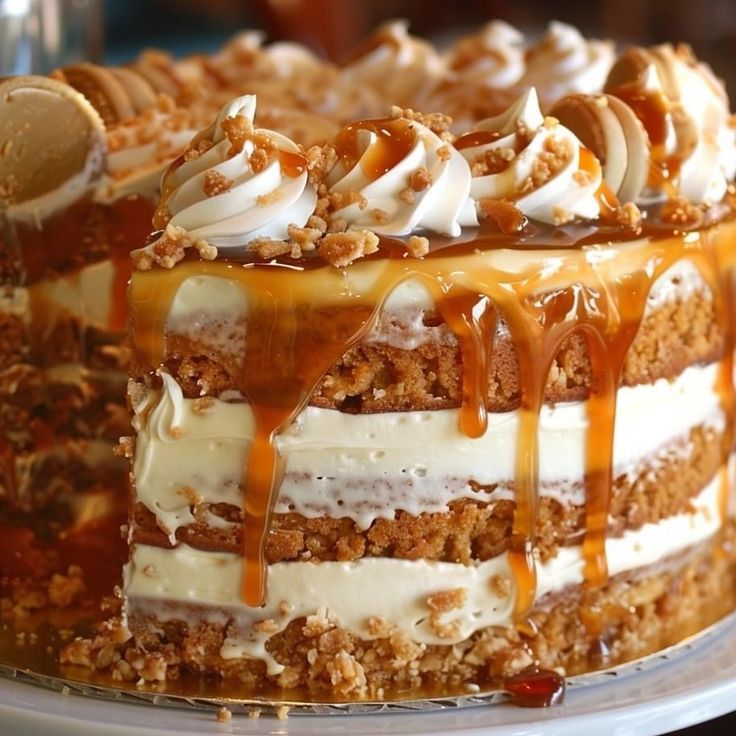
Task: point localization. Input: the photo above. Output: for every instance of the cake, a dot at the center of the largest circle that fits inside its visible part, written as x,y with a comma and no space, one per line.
430,406
77,197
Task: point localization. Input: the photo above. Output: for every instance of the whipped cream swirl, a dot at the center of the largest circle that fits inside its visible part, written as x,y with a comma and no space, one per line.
398,176
493,56
563,62
401,67
685,110
534,162
230,193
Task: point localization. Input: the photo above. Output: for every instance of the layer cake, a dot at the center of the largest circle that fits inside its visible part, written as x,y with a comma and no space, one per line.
423,411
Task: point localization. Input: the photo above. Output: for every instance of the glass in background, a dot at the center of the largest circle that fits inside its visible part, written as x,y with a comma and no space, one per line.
38,35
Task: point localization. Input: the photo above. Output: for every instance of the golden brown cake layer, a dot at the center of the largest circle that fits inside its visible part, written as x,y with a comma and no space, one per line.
379,377
469,530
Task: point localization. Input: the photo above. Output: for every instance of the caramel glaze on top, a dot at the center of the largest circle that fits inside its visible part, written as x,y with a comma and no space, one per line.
564,282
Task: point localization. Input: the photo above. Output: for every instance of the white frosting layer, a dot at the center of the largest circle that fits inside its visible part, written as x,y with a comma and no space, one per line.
367,466
257,204
532,145
157,579
205,301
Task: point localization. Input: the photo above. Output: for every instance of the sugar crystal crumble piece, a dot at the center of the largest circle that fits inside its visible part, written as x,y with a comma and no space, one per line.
238,129
341,249
447,600
417,246
680,211
267,248
216,183
264,200
629,216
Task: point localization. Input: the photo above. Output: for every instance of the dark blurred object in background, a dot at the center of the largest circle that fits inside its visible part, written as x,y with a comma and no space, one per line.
332,27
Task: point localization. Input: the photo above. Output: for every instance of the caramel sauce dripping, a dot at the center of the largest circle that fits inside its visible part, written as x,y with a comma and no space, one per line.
394,140
292,341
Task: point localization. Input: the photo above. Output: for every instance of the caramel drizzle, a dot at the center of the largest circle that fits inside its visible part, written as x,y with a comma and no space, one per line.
394,140
285,356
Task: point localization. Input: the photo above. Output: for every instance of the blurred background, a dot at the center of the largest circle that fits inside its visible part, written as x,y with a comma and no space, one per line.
332,27
43,34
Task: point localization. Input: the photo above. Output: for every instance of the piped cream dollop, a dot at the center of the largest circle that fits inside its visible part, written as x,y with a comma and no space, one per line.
685,110
533,162
494,56
238,183
564,62
396,176
401,67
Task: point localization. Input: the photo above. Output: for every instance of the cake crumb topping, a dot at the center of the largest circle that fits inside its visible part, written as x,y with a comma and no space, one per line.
196,150
437,122
341,249
170,248
216,183
447,600
417,246
237,129
629,216
680,211
509,218
264,200
420,179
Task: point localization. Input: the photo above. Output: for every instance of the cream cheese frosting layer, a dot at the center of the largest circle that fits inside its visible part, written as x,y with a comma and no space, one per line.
367,466
158,579
208,307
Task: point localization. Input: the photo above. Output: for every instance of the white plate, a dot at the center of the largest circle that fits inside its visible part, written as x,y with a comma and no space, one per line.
697,684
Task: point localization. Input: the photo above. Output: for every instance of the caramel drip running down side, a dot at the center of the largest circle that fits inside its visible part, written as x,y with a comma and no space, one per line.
472,318
301,320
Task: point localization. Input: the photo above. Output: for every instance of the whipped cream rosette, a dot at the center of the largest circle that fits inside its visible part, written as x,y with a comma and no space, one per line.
238,183
564,62
399,66
494,55
533,162
685,111
397,176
